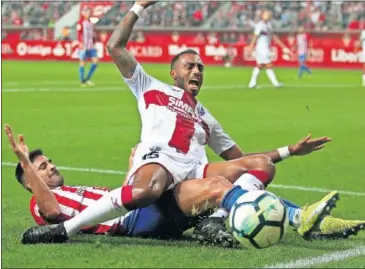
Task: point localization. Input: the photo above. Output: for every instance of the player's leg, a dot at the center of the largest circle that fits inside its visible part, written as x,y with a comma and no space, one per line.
82,61
363,70
94,65
256,71
150,181
271,75
302,66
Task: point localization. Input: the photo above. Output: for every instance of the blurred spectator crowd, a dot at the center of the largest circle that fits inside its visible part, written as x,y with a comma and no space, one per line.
288,15
316,15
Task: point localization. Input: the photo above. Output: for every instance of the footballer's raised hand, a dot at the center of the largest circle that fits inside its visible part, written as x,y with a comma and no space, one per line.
308,145
20,149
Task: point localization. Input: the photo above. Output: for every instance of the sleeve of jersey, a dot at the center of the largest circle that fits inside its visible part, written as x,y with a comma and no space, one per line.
79,31
219,141
36,214
257,30
139,82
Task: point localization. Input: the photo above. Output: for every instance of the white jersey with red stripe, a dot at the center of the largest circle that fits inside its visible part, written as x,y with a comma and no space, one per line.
72,201
85,33
264,31
175,125
302,43
362,39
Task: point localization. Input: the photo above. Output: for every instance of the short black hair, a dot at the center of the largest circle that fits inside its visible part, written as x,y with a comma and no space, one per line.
177,56
19,170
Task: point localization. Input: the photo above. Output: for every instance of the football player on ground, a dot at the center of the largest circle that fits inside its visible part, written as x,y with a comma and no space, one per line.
176,211
85,34
262,37
175,129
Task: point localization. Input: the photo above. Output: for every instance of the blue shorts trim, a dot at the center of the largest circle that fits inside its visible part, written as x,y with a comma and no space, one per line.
87,54
302,57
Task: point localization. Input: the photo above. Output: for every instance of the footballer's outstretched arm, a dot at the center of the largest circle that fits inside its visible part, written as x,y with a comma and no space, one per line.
116,45
45,199
302,147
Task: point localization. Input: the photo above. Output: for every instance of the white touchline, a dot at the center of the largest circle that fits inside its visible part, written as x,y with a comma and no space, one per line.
208,87
326,258
115,172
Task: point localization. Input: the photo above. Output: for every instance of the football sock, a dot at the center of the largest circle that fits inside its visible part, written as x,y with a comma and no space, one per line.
252,180
363,79
271,75
293,213
91,71
255,74
82,73
108,207
231,197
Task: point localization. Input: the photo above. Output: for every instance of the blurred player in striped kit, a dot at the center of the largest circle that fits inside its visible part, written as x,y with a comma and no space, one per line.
302,47
85,35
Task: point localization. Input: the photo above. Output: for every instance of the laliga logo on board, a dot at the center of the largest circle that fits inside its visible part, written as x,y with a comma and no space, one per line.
23,49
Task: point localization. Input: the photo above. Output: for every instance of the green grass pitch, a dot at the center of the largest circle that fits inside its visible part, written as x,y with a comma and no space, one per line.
96,127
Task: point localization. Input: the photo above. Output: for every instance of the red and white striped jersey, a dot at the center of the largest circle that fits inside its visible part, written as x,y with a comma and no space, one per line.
85,33
72,201
174,120
302,43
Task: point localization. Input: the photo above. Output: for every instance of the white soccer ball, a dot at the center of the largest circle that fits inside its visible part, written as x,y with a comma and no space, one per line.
258,219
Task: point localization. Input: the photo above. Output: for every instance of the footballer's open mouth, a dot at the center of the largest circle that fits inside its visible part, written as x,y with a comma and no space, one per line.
194,84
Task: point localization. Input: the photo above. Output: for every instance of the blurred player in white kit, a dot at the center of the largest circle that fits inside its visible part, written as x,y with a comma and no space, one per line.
263,34
362,55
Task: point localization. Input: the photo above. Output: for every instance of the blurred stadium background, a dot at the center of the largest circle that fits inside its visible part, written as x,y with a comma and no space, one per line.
89,131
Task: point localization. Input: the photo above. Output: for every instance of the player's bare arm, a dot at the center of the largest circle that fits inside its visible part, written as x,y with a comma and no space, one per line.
45,199
253,41
116,45
302,147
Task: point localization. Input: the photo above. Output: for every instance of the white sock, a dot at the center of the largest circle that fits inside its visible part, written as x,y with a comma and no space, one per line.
270,73
363,79
221,213
106,208
255,74
296,220
249,182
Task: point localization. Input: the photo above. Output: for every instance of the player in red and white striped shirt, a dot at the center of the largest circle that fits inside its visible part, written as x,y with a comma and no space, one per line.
302,47
85,36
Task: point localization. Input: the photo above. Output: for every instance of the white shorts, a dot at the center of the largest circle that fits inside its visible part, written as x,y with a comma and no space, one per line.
362,57
263,56
178,169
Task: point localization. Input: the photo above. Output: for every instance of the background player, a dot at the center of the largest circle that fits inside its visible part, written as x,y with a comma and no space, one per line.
302,39
176,211
362,55
262,37
85,35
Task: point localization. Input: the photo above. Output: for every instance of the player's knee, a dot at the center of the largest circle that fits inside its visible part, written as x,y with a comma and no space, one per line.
95,60
82,63
217,186
147,195
265,164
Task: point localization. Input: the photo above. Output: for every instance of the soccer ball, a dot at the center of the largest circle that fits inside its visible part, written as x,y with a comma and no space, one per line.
258,219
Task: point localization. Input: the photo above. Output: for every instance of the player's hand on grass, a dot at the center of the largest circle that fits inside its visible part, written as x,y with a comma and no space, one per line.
20,149
308,145
146,4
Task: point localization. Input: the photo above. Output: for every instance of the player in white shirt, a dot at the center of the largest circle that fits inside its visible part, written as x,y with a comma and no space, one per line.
263,34
175,129
362,55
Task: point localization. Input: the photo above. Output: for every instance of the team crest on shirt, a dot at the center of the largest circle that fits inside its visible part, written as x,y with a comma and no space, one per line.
201,111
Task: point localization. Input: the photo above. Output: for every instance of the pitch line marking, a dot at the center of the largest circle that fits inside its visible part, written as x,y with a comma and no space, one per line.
277,186
208,87
326,258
